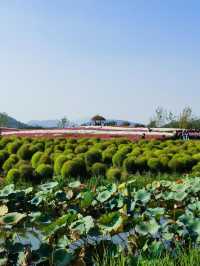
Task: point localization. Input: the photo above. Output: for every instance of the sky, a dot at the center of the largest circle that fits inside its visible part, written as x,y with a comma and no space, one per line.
78,58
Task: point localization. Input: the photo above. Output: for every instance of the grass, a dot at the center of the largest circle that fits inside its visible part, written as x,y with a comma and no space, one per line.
192,258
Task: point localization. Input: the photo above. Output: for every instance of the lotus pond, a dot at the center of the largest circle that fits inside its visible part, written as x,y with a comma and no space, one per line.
52,224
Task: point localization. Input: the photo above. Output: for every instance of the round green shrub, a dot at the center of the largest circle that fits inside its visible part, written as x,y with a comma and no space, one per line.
4,141
113,174
35,159
45,171
81,149
25,152
10,163
37,147
92,156
154,164
13,147
141,163
69,146
107,157
26,172
118,158
164,160
44,159
196,169
196,157
3,157
13,176
21,162
129,165
60,160
98,169
74,168
72,141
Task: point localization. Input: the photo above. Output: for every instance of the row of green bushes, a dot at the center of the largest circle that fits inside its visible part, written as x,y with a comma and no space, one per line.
37,159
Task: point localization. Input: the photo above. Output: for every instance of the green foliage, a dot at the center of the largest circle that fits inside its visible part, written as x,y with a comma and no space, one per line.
74,168
81,149
26,172
10,163
59,161
93,156
154,164
113,174
25,152
3,156
36,158
119,154
45,171
98,169
44,159
13,176
13,147
129,165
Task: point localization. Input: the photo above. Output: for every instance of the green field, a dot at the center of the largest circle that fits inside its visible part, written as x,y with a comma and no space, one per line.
99,202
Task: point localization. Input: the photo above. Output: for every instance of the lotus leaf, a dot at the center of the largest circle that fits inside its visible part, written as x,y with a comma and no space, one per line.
150,227
12,218
40,218
87,198
104,195
3,210
195,226
110,222
6,191
62,258
60,223
155,212
48,186
179,187
165,183
195,207
116,202
39,198
179,196
60,196
75,184
83,225
143,196
3,261
63,241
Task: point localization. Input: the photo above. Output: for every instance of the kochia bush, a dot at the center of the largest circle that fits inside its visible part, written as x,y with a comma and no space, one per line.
13,176
92,156
25,152
74,168
98,169
45,171
35,158
59,161
113,174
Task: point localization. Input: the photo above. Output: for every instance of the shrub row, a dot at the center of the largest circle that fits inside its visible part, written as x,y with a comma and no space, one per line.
39,159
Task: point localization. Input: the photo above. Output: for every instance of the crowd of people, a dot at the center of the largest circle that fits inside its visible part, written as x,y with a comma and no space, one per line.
187,134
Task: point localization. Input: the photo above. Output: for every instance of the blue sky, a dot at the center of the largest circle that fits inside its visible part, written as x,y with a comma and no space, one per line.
117,58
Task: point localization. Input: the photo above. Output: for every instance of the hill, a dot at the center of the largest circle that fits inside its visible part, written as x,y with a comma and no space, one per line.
8,121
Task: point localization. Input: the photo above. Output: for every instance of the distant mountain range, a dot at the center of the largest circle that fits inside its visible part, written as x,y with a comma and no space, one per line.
44,123
53,123
85,121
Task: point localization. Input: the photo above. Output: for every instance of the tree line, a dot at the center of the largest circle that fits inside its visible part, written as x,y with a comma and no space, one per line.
164,118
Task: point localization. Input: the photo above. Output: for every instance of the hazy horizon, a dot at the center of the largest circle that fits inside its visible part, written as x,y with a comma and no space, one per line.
120,59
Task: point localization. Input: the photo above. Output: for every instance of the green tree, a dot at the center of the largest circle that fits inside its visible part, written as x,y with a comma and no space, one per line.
185,117
63,122
3,119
